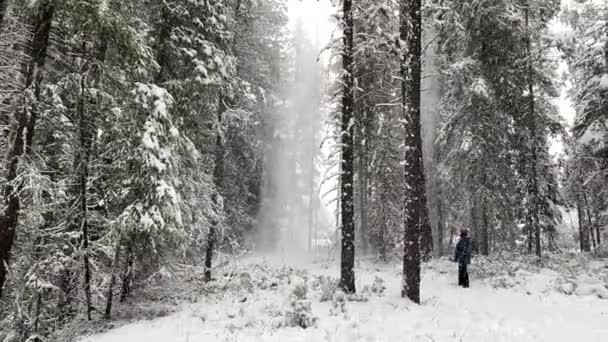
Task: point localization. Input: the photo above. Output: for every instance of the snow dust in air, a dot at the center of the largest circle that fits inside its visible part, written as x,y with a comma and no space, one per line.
295,220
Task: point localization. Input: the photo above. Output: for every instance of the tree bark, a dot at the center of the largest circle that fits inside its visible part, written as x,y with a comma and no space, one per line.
415,213
584,241
33,77
426,231
347,264
440,226
86,138
218,178
383,230
127,274
3,8
110,293
589,229
363,229
485,241
533,190
598,236
311,191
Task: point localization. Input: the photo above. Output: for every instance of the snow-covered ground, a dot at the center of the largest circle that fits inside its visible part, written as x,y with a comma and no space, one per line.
258,304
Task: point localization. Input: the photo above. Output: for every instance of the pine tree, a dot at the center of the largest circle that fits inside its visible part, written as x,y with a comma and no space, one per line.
493,141
588,61
26,122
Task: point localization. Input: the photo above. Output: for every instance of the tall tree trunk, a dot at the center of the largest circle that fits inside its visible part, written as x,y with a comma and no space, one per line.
33,77
485,236
110,293
589,229
311,191
533,190
426,231
440,226
218,179
383,229
86,138
584,241
347,264
127,274
415,213
363,229
598,235
3,8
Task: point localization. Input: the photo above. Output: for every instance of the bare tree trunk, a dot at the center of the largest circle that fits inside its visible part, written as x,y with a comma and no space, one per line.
33,77
84,153
415,213
36,324
110,293
426,231
440,226
598,237
218,178
347,264
363,230
127,274
311,192
589,229
383,228
533,174
584,241
3,8
485,243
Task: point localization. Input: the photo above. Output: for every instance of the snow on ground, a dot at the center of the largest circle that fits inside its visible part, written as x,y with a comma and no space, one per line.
259,304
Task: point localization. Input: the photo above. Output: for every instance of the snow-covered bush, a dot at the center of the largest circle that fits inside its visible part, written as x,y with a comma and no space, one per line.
338,303
300,313
378,286
327,287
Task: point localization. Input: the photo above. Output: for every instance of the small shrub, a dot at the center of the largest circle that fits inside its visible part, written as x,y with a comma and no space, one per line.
338,302
378,286
300,313
328,288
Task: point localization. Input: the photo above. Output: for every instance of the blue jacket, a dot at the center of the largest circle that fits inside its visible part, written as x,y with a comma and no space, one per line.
463,251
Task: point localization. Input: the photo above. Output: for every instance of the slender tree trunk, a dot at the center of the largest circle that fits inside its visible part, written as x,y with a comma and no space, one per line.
347,264
218,178
3,8
363,190
426,231
33,77
311,192
598,238
440,226
383,228
411,34
86,137
110,293
485,243
127,274
598,235
39,293
533,174
589,229
581,226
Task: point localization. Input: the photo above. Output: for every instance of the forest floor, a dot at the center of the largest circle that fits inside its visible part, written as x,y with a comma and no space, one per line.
565,299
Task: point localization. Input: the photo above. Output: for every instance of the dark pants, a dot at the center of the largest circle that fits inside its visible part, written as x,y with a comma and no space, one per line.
463,275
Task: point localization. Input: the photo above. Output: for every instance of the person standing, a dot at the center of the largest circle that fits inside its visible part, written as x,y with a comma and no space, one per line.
463,258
